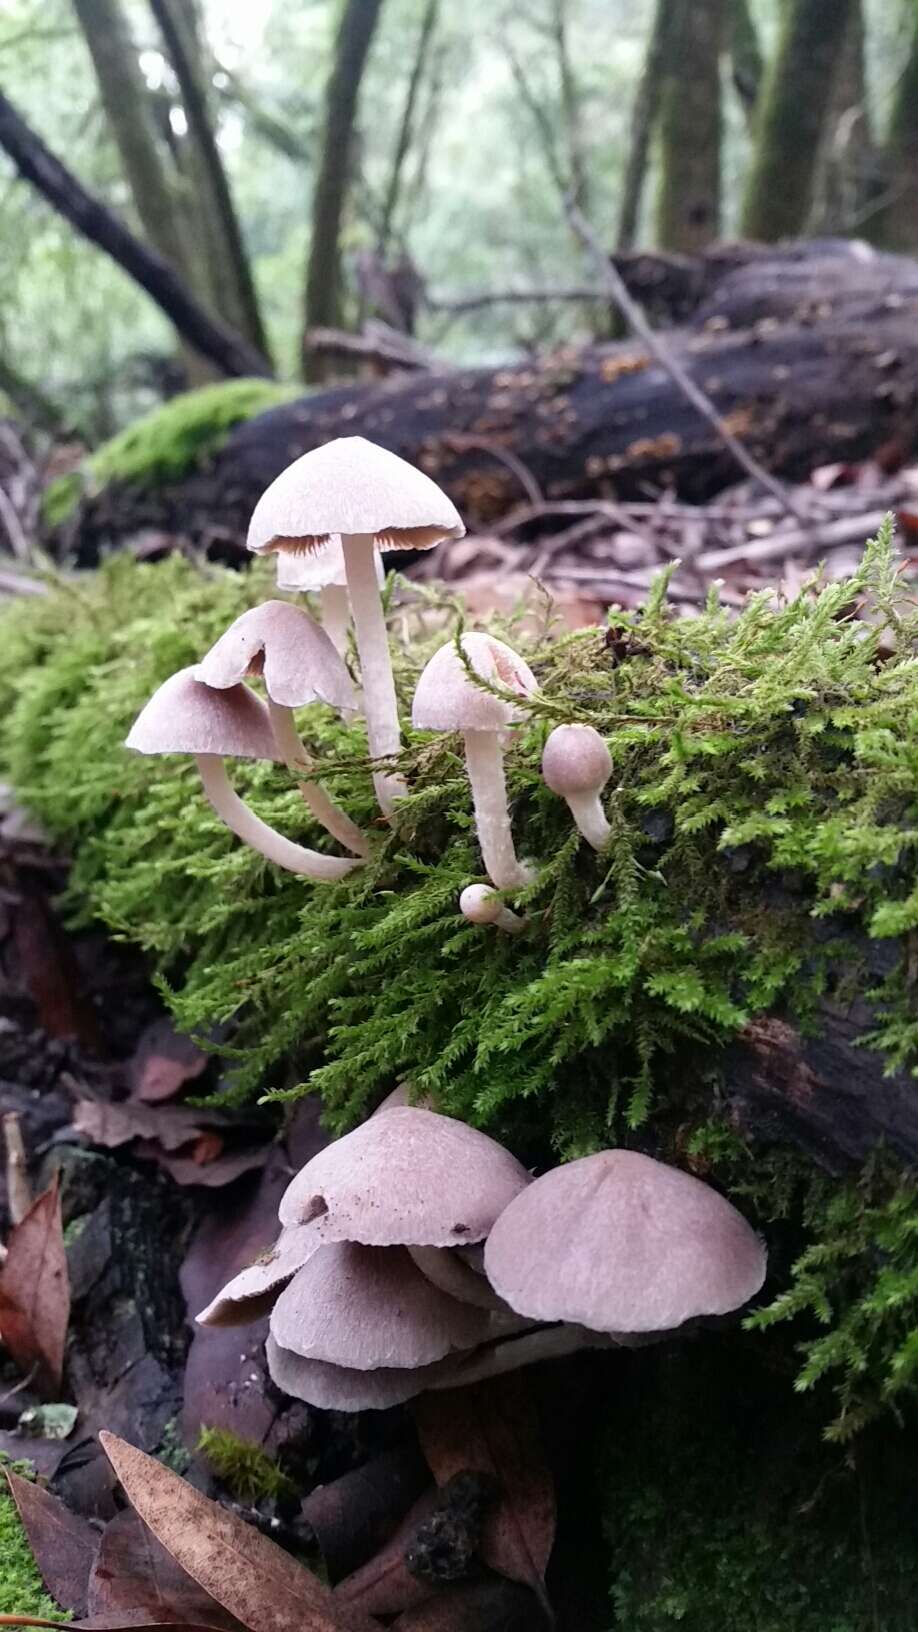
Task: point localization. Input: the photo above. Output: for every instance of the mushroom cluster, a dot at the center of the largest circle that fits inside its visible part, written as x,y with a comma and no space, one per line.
416,1253
328,518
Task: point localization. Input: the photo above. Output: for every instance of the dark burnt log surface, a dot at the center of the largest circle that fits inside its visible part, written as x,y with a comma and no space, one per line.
809,353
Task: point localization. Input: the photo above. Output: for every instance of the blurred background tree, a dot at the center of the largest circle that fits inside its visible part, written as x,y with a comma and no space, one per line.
350,161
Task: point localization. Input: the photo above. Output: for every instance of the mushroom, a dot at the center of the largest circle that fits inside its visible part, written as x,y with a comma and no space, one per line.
187,717
374,501
343,1388
576,764
299,665
480,905
322,572
252,1292
447,699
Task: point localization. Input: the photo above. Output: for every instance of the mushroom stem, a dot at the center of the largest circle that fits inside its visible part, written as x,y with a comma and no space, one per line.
590,818
484,758
296,757
242,821
546,1343
379,701
336,615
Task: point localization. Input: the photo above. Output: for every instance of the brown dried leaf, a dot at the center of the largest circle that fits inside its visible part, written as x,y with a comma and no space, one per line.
473,1607
353,1515
385,1585
212,1173
163,1062
134,1573
112,1125
246,1572
64,1545
493,1428
35,1292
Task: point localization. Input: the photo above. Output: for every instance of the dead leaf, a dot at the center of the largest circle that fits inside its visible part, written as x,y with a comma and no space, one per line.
133,1572
48,971
246,1572
493,1428
64,1545
35,1292
385,1585
352,1516
213,1173
472,1607
163,1062
128,1621
112,1125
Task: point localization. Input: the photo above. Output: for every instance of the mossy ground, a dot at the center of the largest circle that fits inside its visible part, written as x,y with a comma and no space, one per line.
764,808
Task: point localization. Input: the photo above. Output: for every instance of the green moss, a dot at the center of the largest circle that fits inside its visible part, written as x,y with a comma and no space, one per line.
21,1589
764,809
167,443
244,1467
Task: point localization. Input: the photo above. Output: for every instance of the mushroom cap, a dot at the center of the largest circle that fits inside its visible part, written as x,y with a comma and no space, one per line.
575,759
619,1242
187,717
254,1290
446,699
292,652
352,486
480,904
321,568
342,1388
365,1307
408,1178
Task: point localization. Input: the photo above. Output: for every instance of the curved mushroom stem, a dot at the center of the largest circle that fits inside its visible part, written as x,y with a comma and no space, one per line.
484,758
242,821
545,1343
590,818
336,615
442,1268
326,812
379,701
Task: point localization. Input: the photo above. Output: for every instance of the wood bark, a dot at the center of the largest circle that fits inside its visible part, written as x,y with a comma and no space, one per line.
896,225
323,271
643,122
746,62
811,355
688,208
795,102
93,220
847,171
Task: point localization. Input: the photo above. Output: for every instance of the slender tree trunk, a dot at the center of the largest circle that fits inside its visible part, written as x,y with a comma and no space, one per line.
688,216
896,225
795,103
237,286
91,218
323,271
406,126
745,55
848,162
570,110
643,121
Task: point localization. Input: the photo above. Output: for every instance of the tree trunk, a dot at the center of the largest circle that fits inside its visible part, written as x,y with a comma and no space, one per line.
848,162
896,226
688,212
795,102
237,300
91,218
323,271
570,98
406,127
831,376
643,120
745,55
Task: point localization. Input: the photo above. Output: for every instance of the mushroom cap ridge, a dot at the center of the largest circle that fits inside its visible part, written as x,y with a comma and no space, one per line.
300,664
619,1242
187,717
352,486
446,699
407,1178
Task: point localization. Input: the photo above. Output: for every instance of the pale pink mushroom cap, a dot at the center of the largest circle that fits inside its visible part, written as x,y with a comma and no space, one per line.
285,645
365,1307
352,486
322,568
343,1388
408,1178
576,760
254,1290
447,699
621,1243
186,717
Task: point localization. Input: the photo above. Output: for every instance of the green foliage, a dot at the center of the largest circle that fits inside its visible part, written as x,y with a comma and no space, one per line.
245,1468
21,1589
167,443
764,810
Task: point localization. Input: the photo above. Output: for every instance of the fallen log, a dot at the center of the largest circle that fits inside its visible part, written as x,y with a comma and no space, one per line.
809,354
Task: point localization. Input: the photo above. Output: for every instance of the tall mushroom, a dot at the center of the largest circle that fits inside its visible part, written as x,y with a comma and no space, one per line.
374,501
447,699
187,717
576,764
322,572
299,665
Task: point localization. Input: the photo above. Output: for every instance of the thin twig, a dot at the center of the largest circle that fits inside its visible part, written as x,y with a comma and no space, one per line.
460,442
635,318
807,541
18,1189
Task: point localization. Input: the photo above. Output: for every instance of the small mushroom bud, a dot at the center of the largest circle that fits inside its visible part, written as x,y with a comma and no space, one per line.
576,764
481,906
